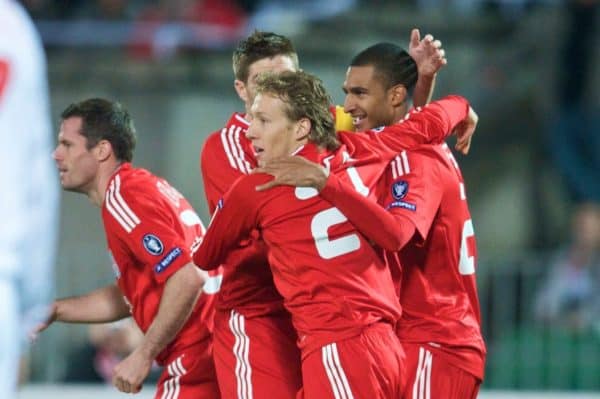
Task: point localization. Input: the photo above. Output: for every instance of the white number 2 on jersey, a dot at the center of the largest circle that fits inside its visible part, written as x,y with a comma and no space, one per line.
466,263
331,248
327,218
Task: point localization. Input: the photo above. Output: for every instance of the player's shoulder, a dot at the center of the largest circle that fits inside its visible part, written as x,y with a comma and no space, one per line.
249,182
236,121
133,179
433,160
212,145
243,190
230,145
127,189
134,187
426,151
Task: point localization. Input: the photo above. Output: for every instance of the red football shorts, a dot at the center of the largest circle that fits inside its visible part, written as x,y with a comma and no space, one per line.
369,365
189,374
256,358
431,376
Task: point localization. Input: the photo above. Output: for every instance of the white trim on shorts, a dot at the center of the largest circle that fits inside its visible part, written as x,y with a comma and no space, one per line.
241,350
335,372
171,387
422,385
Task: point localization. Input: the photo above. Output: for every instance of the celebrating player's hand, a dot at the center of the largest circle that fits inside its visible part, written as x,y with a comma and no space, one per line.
129,374
51,318
428,53
464,132
293,171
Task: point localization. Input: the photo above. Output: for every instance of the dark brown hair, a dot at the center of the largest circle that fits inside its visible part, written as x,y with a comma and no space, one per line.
105,120
258,46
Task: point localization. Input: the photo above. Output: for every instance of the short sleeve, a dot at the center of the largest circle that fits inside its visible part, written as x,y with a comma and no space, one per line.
151,232
413,189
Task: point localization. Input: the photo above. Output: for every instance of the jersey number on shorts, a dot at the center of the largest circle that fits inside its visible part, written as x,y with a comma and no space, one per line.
322,221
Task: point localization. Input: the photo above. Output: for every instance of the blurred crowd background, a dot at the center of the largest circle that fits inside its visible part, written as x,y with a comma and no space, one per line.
529,68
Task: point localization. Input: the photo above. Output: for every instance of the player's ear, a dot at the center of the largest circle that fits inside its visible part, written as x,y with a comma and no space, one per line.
398,95
303,127
240,88
103,150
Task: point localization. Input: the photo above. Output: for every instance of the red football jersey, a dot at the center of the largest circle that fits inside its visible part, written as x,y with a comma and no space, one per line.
227,154
151,229
332,280
247,280
438,290
308,238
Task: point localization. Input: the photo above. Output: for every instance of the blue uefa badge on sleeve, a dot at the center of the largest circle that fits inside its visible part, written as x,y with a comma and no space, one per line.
153,244
378,129
399,189
220,204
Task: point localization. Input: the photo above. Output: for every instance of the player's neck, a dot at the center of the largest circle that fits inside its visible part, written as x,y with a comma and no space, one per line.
97,193
400,113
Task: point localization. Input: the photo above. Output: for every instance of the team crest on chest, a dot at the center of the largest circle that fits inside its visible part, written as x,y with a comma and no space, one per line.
153,244
399,189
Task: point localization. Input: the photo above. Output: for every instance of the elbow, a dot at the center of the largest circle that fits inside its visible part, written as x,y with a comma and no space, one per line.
397,238
190,278
198,279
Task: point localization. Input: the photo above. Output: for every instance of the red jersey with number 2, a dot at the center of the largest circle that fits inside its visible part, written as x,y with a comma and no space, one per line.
438,290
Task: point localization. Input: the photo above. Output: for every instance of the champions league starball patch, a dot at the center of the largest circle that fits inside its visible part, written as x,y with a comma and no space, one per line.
399,189
153,244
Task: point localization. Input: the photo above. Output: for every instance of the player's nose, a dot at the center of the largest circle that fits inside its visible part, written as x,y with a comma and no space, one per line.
55,154
250,132
349,104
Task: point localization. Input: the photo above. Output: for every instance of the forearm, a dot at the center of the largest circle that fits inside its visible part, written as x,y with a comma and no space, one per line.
176,305
423,90
99,306
431,124
377,224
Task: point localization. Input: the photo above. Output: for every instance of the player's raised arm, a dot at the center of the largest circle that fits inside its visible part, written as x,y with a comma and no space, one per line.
430,57
430,124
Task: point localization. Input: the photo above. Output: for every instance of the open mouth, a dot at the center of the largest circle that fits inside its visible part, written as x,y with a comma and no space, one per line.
258,150
357,120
